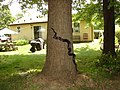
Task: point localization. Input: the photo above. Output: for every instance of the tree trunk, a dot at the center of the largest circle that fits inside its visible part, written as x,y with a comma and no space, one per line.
59,63
109,28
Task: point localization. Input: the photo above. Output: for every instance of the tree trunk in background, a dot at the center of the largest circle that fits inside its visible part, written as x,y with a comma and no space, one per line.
109,28
59,65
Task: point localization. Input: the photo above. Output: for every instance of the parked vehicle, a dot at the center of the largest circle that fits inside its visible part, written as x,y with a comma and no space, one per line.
4,38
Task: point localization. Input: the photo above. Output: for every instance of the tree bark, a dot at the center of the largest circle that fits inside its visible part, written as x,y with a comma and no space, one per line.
59,63
109,27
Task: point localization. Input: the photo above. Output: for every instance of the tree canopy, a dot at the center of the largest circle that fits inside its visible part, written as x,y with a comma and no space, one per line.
5,16
40,4
89,10
92,12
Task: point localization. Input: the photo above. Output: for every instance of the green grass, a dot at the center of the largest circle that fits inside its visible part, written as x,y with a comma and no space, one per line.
86,57
15,68
18,68
15,64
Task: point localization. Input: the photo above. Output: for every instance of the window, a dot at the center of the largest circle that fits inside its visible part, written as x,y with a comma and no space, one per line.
85,36
37,32
76,27
18,29
37,28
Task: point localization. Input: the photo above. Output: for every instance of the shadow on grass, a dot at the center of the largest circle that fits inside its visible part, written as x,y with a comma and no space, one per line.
17,70
86,58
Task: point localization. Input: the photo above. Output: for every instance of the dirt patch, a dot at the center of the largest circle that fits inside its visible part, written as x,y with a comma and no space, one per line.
44,84
39,83
83,82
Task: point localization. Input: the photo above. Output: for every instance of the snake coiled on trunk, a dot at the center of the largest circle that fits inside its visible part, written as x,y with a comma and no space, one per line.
69,46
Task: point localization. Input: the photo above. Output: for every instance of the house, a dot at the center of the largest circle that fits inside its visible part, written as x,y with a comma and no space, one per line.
82,32
32,28
29,28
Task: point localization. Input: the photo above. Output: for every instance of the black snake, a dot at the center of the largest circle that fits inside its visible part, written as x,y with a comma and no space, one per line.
70,53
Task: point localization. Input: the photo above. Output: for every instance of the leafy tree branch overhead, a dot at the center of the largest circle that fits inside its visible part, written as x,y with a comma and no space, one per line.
92,12
5,16
89,10
40,4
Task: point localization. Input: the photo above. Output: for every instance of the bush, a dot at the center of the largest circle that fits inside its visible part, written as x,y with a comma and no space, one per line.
101,40
109,63
117,34
21,42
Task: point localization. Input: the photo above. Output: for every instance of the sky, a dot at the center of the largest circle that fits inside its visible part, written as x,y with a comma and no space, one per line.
15,9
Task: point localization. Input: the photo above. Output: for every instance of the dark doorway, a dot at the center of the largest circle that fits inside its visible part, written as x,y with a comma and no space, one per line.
37,32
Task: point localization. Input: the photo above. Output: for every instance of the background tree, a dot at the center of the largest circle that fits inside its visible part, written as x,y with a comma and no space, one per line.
5,16
109,27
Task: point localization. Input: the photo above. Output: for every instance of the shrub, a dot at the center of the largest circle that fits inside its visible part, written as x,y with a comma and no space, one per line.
109,63
101,40
21,42
117,34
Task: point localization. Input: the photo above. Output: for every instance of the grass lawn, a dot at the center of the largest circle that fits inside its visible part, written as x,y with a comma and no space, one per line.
18,68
